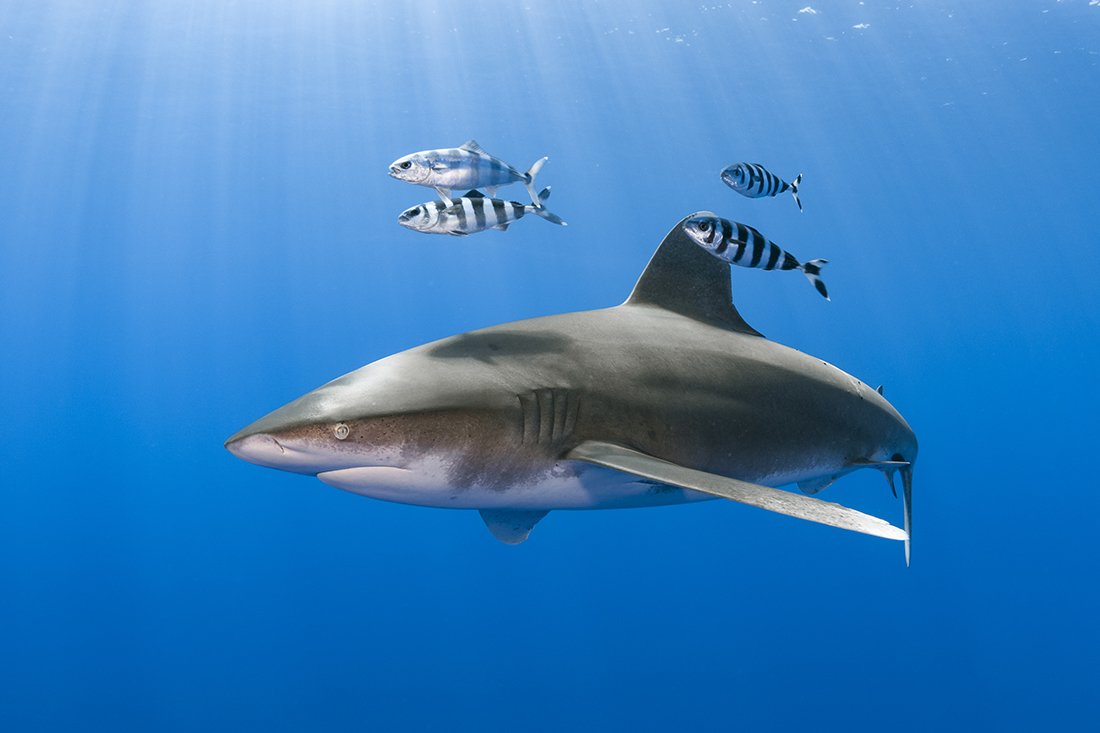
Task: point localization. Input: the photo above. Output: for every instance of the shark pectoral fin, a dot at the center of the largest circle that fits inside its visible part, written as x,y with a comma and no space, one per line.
627,460
509,526
814,485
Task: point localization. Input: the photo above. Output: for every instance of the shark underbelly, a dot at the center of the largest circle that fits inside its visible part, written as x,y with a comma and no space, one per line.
563,485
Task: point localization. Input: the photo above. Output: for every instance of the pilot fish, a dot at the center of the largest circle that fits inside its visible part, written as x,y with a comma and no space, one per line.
465,167
750,179
742,245
471,214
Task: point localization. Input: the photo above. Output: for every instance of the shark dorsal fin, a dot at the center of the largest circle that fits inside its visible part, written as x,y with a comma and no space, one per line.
682,277
473,147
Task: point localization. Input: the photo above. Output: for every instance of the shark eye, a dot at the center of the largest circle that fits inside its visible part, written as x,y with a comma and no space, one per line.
341,431
406,165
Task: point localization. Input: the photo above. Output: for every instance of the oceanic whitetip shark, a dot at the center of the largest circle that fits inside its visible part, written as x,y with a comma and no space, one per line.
668,398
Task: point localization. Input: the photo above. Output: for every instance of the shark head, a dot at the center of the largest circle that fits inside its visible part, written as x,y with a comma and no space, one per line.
434,425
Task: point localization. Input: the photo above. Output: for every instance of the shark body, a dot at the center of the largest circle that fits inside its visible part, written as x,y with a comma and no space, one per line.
668,398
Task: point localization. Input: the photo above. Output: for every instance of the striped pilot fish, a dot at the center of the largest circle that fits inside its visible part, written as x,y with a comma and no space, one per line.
471,214
742,245
750,179
465,167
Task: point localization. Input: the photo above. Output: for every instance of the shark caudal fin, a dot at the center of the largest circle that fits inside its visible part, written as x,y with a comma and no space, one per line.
794,190
812,270
529,179
540,210
907,499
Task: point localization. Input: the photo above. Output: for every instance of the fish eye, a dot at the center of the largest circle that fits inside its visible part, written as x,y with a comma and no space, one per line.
406,165
704,226
414,212
341,431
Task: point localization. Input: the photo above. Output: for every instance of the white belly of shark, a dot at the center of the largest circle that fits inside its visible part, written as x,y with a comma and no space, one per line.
569,485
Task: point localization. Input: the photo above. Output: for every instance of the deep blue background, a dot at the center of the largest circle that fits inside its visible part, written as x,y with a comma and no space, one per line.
196,227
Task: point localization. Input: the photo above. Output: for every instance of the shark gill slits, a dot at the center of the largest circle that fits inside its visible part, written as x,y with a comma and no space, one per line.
341,431
549,416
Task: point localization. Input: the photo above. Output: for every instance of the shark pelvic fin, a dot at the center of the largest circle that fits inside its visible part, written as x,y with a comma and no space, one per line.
628,460
509,526
814,485
684,278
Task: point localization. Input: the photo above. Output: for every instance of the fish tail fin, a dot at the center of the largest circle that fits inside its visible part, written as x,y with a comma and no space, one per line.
812,270
794,191
529,179
540,210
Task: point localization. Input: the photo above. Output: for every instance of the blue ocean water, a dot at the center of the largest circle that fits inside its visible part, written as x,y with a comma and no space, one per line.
196,227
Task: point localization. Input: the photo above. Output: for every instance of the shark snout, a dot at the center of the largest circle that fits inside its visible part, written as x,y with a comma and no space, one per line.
261,449
285,454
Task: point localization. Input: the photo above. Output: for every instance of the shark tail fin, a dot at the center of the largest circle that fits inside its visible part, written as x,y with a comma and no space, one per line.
529,179
812,269
794,190
907,499
545,213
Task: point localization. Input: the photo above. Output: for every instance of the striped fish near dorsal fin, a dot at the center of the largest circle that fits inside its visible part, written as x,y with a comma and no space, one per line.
472,147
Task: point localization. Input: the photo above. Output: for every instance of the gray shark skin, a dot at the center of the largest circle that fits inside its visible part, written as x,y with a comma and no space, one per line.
668,398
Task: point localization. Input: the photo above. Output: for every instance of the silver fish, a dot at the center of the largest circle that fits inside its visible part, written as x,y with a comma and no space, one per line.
750,179
730,241
462,168
471,214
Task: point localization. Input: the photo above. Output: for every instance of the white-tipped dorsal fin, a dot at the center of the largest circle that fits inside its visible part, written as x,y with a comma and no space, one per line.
628,460
510,526
684,278
473,147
